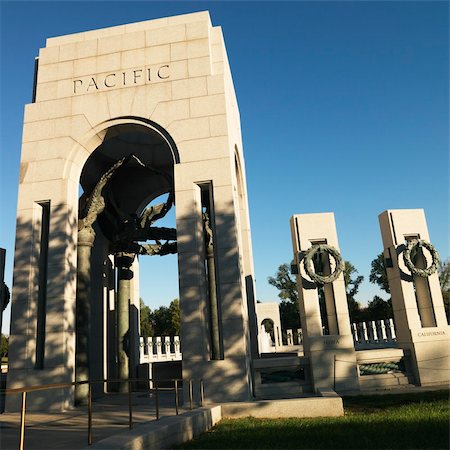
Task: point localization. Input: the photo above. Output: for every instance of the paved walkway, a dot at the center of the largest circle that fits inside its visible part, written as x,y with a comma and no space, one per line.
68,430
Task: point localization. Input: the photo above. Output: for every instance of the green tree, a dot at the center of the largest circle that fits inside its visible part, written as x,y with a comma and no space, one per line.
287,287
379,308
146,320
444,280
285,283
174,308
352,283
166,320
289,315
378,274
3,347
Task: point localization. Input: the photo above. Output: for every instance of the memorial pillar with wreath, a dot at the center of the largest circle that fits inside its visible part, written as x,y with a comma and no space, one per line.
327,338
421,325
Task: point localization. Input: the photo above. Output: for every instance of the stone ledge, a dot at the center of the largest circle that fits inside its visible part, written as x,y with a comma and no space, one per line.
329,406
164,433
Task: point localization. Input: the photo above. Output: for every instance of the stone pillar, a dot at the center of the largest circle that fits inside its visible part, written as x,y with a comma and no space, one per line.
134,359
3,291
212,290
125,274
421,324
332,357
86,237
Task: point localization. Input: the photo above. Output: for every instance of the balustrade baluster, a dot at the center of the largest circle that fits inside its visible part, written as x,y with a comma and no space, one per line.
374,331
392,328
355,332
158,347
300,336
167,346
364,330
383,331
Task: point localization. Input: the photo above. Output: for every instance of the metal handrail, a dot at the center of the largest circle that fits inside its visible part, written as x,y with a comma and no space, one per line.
155,389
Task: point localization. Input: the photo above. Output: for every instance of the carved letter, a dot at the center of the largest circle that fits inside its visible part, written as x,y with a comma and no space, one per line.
92,83
106,80
75,85
159,72
124,79
136,74
149,73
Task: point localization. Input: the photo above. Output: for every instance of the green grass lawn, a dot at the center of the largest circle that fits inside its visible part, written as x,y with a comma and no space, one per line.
395,421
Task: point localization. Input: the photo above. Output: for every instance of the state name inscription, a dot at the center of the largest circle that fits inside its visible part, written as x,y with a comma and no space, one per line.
133,77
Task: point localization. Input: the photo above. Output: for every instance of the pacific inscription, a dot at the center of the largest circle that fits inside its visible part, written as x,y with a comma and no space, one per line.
123,78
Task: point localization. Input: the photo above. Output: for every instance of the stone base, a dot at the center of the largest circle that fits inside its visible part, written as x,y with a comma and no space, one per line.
383,381
333,363
429,355
223,380
56,399
165,433
327,405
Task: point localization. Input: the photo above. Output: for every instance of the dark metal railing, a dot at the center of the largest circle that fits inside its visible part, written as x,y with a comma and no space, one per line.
155,389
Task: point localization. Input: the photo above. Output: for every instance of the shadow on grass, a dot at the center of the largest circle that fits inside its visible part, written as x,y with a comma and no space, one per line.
373,403
404,422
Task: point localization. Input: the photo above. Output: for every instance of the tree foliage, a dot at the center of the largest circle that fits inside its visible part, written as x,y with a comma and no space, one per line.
164,321
352,283
287,287
285,283
378,274
289,315
444,280
3,347
146,320
379,308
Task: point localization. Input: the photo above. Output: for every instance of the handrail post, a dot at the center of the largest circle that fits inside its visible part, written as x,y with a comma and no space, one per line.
202,393
89,413
22,420
176,396
130,407
156,400
190,394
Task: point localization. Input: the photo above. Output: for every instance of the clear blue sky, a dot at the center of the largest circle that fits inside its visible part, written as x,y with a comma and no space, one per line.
344,107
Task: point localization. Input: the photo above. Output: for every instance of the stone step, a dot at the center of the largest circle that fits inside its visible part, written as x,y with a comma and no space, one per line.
384,381
281,390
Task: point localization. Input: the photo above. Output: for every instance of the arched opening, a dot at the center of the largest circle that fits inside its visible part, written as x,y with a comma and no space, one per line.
269,328
127,187
267,336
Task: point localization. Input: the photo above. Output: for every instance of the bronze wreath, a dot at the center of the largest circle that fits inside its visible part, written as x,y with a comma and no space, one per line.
308,264
409,263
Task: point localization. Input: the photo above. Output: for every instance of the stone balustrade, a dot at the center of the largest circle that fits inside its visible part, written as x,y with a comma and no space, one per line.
159,348
373,333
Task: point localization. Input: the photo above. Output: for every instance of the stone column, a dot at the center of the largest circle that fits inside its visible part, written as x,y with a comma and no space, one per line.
213,307
420,322
3,302
125,274
332,357
86,237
